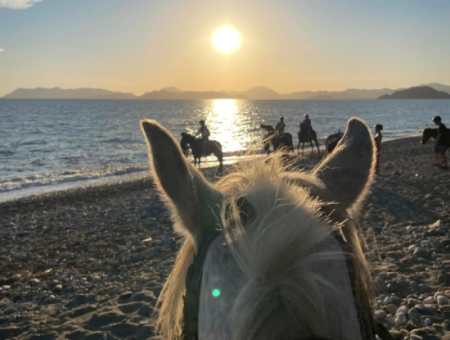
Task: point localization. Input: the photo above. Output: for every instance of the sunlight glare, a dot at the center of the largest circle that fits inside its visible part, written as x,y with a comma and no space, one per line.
226,124
226,39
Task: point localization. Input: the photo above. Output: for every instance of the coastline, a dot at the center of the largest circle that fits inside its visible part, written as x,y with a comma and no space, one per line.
90,261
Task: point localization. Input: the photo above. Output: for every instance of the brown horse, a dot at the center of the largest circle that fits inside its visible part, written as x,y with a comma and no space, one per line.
332,141
278,142
428,133
196,145
303,138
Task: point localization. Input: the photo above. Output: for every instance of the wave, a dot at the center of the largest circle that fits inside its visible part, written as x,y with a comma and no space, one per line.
10,186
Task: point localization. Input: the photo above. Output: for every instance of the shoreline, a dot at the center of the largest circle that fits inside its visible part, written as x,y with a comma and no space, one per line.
108,179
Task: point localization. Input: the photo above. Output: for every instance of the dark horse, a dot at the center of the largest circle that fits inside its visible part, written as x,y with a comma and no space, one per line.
428,133
196,145
278,142
303,138
332,141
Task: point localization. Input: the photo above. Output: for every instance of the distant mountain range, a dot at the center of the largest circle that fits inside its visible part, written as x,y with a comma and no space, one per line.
419,92
174,93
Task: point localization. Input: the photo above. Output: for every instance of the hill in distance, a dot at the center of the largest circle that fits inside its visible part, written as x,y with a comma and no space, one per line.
255,93
419,92
58,93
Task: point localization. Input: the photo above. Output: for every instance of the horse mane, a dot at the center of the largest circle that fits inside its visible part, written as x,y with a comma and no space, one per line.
268,187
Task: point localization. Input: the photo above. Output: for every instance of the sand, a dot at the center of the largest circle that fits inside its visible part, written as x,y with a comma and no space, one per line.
89,263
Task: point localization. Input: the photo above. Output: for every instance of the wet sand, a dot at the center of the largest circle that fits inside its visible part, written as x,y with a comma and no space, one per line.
89,263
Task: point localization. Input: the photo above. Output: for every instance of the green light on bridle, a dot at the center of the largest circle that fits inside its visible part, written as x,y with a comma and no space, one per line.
216,292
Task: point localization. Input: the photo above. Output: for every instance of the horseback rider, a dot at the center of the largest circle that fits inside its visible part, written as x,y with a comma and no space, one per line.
280,126
307,126
204,133
441,143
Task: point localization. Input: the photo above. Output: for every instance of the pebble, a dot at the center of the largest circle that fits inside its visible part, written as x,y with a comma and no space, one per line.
390,320
387,300
35,282
400,319
380,314
442,300
391,308
428,300
428,322
415,317
58,288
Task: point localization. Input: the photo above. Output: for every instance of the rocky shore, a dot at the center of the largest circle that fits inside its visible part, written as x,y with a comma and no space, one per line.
89,263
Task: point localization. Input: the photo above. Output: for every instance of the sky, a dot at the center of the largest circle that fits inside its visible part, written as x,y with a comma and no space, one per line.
143,45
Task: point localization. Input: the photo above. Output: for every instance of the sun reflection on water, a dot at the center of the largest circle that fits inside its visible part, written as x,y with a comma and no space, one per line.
226,123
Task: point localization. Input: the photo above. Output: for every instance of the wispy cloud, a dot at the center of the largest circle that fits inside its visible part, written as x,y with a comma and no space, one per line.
2,50
18,4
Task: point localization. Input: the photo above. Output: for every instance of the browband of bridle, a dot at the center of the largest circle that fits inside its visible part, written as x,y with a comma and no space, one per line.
191,299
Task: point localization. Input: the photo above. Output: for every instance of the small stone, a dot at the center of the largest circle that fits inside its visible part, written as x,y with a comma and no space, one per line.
396,335
387,300
58,288
35,282
16,276
428,322
391,309
415,317
380,314
12,317
434,255
428,300
400,319
415,337
390,320
442,300
6,287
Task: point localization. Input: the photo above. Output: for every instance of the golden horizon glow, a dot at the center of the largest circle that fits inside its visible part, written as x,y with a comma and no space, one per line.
226,39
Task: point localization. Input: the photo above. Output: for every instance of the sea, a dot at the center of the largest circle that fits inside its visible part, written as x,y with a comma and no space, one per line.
50,145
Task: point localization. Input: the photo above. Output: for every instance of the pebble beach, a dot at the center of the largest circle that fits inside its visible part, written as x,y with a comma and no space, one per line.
89,263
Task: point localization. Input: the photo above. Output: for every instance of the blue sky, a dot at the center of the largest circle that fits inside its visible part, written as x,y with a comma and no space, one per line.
142,45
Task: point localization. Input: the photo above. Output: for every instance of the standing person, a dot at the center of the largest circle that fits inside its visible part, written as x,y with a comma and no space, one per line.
440,146
378,137
280,126
307,126
204,133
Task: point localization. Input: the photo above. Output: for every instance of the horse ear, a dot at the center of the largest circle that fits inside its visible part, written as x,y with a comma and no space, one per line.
181,186
348,172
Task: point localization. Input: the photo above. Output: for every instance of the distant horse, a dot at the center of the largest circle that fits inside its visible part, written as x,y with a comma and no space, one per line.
332,141
428,133
278,142
196,145
303,138
268,254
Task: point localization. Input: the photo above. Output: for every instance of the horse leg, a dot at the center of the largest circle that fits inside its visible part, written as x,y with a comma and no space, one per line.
317,144
312,147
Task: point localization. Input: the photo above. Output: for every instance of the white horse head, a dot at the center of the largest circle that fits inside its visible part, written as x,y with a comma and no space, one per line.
281,274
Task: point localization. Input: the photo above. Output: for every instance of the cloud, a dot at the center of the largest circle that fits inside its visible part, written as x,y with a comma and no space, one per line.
2,50
18,4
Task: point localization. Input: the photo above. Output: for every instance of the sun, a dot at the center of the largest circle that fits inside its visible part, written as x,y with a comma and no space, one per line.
226,39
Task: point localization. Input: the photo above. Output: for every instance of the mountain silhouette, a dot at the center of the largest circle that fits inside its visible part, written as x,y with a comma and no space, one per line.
262,92
255,93
419,92
188,95
58,93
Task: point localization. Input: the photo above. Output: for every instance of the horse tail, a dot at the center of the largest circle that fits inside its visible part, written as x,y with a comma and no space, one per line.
285,294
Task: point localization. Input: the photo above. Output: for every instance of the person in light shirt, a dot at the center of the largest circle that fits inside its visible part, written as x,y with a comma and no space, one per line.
204,133
280,126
